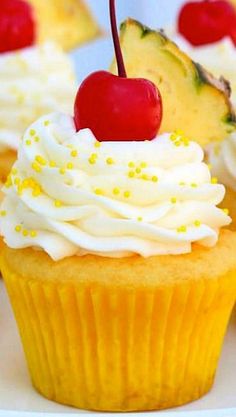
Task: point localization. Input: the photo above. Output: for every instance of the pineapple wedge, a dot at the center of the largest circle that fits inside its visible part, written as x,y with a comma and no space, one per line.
68,22
193,100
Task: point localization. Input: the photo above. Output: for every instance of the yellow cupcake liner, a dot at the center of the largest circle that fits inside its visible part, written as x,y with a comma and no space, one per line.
104,347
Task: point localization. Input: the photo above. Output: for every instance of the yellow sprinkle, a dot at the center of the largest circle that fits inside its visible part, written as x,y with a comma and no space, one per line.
92,161
209,166
36,191
110,161
138,170
127,194
74,153
181,183
94,156
98,191
17,181
197,223
143,165
194,185
62,171
140,219
116,191
46,122
144,177
226,211
32,132
26,183
40,160
182,229
36,167
28,142
97,144
3,213
52,164
69,146
18,228
36,139
131,165
25,233
69,165
14,171
154,178
57,203
33,233
173,137
131,174
177,143
214,180
173,200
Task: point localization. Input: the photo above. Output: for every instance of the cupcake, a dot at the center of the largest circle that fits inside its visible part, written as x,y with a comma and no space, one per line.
35,80
115,258
128,231
206,32
221,160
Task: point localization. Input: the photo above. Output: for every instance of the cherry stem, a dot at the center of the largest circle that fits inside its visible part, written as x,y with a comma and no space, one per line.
116,41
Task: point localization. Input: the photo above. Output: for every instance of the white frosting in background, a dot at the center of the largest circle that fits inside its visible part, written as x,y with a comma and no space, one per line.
34,81
222,158
218,58
69,194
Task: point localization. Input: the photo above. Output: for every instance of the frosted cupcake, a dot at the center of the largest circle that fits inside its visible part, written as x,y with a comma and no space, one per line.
206,32
34,79
125,230
222,160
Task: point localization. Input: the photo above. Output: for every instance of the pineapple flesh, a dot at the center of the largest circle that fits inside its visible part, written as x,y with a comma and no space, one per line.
68,22
193,100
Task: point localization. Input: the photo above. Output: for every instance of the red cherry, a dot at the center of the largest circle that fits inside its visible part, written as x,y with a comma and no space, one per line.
208,21
118,108
17,27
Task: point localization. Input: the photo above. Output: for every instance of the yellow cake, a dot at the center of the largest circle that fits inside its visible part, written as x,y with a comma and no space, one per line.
68,22
117,267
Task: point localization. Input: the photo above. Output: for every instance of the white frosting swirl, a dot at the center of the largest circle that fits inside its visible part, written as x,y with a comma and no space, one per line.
34,81
69,194
218,58
222,158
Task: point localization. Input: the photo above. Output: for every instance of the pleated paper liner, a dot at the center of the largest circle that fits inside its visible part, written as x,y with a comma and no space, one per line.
101,347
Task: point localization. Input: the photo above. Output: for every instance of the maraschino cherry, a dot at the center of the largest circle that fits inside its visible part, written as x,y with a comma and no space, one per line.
17,27
208,21
116,107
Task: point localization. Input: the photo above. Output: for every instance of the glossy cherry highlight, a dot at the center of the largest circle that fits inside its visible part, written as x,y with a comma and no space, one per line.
117,107
17,27
208,21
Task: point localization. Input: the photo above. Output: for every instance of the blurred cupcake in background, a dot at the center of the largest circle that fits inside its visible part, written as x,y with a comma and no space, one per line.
222,159
34,78
206,30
